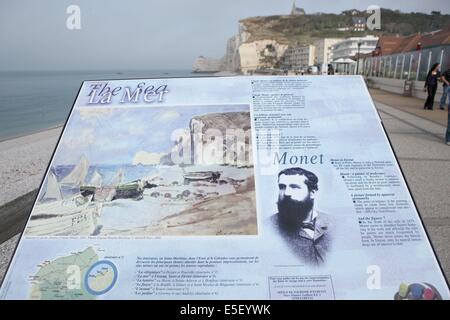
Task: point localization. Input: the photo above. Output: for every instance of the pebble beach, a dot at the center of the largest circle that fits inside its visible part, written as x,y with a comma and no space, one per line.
22,167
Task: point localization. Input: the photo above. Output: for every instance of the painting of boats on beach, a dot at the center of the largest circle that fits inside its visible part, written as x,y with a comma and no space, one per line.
160,171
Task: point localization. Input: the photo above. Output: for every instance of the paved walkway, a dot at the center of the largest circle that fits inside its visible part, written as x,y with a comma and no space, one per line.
410,105
417,136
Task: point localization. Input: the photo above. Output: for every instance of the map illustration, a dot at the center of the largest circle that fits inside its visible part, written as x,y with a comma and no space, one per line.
78,276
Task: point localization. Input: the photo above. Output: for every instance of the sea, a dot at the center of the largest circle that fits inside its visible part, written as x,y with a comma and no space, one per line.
38,100
130,172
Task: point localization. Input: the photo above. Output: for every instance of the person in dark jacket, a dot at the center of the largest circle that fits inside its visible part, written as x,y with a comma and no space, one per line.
447,134
431,84
330,69
445,89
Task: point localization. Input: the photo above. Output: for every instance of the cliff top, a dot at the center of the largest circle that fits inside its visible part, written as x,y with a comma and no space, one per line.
290,29
226,120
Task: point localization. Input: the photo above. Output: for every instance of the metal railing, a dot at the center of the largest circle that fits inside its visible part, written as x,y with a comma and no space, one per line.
412,65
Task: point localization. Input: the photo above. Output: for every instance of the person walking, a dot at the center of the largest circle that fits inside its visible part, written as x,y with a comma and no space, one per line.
431,84
330,69
445,89
447,135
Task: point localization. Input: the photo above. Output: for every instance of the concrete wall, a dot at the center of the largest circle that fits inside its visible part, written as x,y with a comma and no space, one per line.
396,86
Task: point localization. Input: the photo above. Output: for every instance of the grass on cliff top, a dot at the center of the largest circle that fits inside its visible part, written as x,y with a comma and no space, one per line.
296,29
289,29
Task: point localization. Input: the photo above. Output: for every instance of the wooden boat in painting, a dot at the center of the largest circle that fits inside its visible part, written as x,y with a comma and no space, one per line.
55,216
210,176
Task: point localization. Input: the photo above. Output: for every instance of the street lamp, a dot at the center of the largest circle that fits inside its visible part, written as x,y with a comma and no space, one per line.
357,59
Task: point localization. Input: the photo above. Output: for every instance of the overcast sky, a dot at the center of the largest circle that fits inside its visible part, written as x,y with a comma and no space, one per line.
143,34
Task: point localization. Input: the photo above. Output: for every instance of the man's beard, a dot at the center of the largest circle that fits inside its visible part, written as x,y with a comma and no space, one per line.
292,212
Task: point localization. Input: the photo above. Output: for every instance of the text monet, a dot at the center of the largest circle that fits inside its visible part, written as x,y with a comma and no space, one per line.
103,93
286,158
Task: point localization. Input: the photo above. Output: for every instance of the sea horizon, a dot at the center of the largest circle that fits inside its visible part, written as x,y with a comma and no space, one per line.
35,101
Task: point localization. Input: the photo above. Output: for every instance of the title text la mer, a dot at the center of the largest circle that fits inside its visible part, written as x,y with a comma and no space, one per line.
103,93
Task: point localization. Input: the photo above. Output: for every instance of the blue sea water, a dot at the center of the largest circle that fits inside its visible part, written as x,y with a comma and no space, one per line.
35,101
130,172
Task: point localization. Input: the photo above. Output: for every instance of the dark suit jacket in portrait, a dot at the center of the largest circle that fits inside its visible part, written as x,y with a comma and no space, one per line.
311,250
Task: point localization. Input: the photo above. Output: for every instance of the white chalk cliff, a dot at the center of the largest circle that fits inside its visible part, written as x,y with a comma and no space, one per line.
243,54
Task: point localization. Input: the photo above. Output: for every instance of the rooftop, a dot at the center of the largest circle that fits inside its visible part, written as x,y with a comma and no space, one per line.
397,44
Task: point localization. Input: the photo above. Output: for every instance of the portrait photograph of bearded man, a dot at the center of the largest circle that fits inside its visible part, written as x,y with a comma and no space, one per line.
307,231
